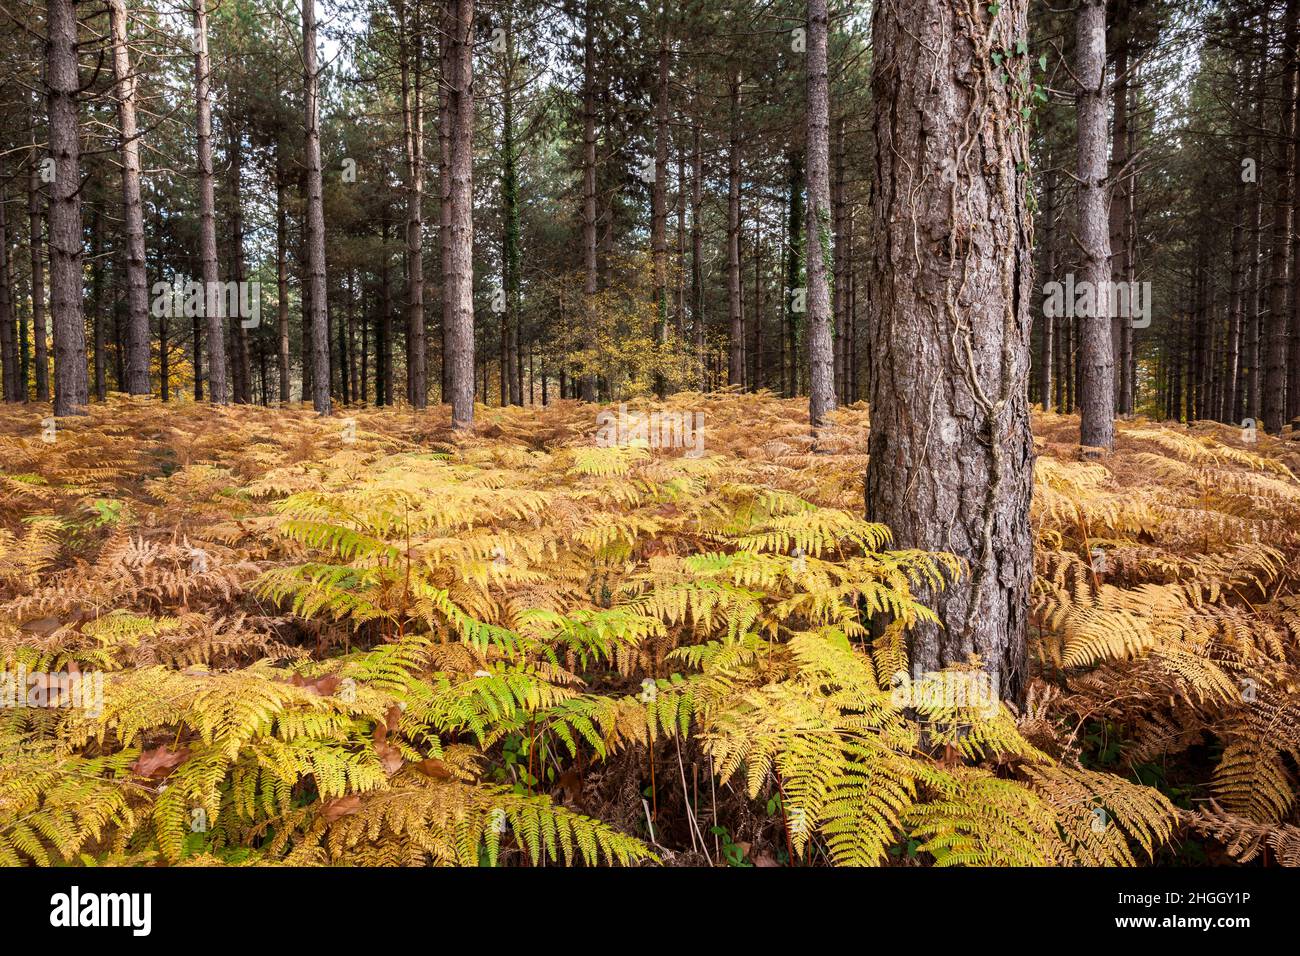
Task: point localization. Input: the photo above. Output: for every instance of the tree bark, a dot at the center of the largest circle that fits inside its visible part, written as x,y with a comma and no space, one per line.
951,454
1275,372
1250,357
659,194
218,390
795,290
511,253
590,273
697,252
15,386
385,345
35,227
137,297
1118,193
839,276
736,336
315,216
1236,268
458,283
410,55
281,278
242,373
821,355
1097,402
1047,343
62,85
97,268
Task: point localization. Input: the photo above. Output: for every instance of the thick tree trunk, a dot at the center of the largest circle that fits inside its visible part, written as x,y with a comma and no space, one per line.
137,296
62,84
1275,350
315,216
218,389
458,282
951,454
821,356
1097,401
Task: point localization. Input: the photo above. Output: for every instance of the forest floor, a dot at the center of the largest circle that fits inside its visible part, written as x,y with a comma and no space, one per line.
370,639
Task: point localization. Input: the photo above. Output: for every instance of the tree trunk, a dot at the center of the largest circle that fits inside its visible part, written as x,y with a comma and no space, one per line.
697,252
736,338
137,297
511,252
243,383
411,53
216,343
281,279
591,277
458,283
1275,372
1047,342
62,85
1229,410
951,454
1255,222
839,277
315,216
659,195
15,386
97,268
1293,332
795,292
35,235
756,340
1097,402
821,355
385,350
1118,193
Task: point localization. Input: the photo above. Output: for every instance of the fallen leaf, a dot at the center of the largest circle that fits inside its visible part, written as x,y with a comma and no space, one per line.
159,762
390,758
337,809
324,686
435,768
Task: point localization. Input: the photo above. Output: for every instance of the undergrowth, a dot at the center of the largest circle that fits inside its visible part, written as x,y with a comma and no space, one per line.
369,640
